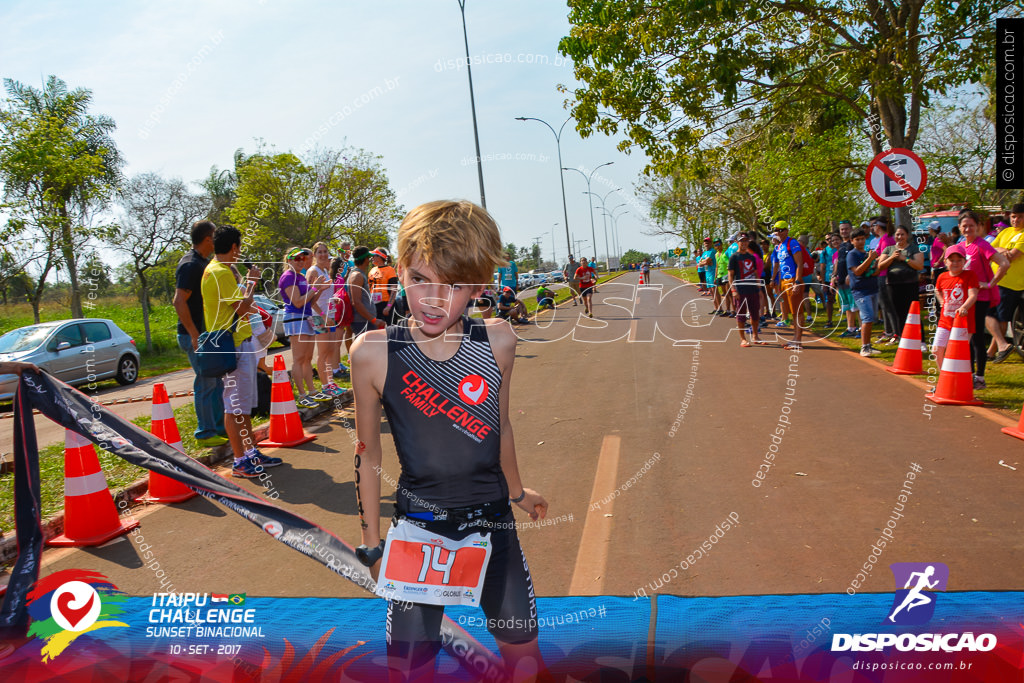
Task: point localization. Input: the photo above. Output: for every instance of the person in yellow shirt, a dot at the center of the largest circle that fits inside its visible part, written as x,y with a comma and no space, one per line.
1010,243
224,300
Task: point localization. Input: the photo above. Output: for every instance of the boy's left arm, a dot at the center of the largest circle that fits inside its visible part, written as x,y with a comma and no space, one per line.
503,346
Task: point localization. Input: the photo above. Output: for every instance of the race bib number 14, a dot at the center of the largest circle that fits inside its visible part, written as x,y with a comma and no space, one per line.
422,567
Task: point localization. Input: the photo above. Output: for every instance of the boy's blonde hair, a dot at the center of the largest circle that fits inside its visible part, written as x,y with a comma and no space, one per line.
458,239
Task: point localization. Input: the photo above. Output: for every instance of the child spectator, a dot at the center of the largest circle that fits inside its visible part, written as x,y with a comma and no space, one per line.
863,270
957,289
545,298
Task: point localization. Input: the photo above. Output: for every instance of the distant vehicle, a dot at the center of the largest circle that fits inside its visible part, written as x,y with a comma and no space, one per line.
527,280
556,276
947,217
73,351
276,312
540,278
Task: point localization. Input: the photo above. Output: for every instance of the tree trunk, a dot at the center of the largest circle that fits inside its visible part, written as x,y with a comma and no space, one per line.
144,298
67,248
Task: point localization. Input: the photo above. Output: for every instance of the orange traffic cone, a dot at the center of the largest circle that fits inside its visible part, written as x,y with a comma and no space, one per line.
285,424
956,383
90,517
908,356
642,283
163,489
1017,431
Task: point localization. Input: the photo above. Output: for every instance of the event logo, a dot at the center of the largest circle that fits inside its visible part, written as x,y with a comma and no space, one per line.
473,390
914,603
70,603
273,528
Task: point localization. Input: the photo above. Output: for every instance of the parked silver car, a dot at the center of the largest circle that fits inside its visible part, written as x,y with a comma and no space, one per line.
74,351
276,312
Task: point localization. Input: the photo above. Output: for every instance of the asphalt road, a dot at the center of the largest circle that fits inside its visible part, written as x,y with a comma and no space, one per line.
646,450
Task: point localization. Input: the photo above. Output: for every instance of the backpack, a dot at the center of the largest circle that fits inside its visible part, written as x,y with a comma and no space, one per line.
808,264
340,305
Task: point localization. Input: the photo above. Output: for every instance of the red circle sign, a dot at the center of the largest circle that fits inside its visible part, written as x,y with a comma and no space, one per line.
896,177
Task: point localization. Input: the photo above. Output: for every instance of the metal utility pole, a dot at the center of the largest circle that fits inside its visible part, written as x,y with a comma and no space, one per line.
593,236
472,105
561,175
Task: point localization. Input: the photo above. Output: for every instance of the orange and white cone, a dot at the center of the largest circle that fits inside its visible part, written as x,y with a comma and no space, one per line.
642,283
908,359
956,383
1017,431
90,517
285,424
163,489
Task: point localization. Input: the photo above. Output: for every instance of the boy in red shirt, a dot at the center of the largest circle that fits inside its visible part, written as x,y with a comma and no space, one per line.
588,279
958,290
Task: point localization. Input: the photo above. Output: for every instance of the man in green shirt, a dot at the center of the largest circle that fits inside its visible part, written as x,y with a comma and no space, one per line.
224,299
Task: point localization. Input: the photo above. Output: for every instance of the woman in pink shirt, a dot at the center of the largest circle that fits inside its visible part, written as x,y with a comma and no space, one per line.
980,257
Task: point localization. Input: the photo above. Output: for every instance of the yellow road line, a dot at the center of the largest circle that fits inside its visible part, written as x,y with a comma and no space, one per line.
592,556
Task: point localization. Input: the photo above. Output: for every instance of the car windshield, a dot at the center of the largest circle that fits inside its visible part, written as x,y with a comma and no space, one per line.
24,338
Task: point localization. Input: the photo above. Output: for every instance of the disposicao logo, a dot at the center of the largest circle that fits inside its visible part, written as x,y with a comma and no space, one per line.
71,603
914,604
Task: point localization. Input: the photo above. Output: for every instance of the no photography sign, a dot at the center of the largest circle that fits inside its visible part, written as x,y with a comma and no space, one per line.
896,177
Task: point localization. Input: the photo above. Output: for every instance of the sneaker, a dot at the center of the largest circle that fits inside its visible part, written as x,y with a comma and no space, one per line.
848,334
334,390
245,469
979,382
305,402
869,350
341,373
590,314
320,397
781,323
212,441
264,460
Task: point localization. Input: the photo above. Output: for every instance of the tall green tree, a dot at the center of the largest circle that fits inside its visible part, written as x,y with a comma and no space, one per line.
59,166
679,76
155,216
332,196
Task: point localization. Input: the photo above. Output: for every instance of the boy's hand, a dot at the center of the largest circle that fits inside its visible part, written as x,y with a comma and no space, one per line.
962,311
533,504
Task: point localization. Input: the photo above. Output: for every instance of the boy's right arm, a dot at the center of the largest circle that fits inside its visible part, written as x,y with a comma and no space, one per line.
369,367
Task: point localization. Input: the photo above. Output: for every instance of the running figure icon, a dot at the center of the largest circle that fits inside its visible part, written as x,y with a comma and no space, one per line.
915,598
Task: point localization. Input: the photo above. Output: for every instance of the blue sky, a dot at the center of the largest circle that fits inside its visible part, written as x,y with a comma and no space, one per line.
189,82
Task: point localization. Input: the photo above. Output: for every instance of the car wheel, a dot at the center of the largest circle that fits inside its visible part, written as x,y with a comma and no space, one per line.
127,370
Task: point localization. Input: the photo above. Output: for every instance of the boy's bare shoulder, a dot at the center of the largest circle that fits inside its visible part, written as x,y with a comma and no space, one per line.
501,336
370,348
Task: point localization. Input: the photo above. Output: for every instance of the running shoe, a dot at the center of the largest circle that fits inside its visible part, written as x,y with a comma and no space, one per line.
847,334
590,314
305,402
868,351
320,397
245,470
334,390
979,382
781,323
265,460
341,373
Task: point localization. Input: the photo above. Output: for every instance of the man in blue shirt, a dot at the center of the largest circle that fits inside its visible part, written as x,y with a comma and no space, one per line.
863,269
509,275
706,262
790,258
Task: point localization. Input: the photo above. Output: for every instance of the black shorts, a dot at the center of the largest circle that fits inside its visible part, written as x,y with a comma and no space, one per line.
1009,299
413,631
587,291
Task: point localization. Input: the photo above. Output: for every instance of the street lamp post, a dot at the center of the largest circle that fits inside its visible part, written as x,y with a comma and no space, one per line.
561,176
472,105
615,229
593,236
554,259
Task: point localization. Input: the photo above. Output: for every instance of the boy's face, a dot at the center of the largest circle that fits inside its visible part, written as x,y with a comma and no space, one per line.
955,263
435,305
858,242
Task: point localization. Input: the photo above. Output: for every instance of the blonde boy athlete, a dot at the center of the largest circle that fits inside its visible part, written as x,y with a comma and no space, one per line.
443,381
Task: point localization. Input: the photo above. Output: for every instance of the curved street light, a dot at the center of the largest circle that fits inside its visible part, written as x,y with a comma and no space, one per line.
593,236
561,176
472,105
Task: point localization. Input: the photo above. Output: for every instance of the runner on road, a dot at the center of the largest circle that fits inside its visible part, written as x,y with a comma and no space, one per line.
443,380
587,278
569,272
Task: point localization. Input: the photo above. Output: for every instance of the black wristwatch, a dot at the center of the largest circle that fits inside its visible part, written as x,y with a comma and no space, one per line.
370,556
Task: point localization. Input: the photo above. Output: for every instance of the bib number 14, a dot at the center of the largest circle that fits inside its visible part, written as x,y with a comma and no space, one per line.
432,560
